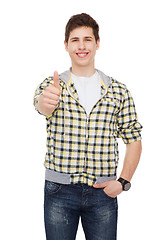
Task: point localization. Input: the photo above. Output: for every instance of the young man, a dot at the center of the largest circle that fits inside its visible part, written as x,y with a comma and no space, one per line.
86,111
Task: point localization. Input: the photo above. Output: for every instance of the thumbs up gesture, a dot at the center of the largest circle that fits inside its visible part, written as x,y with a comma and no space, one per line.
48,101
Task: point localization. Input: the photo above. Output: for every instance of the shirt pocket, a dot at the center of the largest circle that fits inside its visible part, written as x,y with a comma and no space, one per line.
111,106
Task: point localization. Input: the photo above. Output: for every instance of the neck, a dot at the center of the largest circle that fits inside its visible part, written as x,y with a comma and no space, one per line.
83,71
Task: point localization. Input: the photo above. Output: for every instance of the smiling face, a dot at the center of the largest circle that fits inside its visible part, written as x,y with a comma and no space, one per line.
82,47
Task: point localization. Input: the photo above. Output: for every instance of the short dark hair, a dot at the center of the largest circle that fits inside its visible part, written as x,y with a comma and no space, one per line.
81,20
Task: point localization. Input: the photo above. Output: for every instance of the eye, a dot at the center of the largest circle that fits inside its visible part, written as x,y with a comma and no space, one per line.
88,39
74,40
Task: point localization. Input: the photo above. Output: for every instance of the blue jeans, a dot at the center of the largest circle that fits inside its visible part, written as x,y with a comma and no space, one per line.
64,204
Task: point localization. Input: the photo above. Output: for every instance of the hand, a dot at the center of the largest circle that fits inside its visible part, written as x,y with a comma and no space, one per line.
111,188
48,101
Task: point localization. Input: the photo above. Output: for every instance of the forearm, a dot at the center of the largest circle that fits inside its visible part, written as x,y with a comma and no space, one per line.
132,157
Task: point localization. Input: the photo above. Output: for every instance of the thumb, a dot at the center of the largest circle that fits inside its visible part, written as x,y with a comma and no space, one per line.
100,185
56,80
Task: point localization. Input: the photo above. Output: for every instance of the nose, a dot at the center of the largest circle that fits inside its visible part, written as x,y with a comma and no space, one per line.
81,45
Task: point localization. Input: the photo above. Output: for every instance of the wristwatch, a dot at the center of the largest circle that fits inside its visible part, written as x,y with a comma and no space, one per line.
125,184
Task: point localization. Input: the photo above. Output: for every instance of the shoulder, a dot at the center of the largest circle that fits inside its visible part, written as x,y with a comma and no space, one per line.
118,89
118,86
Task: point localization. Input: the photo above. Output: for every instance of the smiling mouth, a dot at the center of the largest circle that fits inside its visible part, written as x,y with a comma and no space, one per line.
82,54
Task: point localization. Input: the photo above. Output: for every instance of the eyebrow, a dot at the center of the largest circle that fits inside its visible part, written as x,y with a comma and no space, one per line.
88,37
76,38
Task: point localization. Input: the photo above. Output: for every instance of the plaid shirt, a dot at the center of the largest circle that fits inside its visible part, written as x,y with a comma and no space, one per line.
85,146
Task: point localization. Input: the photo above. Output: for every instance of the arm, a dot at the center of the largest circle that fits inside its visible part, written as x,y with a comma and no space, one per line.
129,130
132,157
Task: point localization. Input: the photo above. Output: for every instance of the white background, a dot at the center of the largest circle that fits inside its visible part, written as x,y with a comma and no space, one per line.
133,50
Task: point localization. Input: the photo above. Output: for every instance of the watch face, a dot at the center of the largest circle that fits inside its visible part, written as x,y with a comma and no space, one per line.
127,186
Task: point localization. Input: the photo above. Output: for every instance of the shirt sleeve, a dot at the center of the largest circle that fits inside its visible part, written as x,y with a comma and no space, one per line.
129,129
41,88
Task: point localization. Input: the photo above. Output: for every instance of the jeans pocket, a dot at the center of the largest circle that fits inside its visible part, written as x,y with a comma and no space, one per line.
52,187
107,195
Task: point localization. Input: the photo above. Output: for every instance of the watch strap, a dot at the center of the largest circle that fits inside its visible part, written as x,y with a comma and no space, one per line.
124,183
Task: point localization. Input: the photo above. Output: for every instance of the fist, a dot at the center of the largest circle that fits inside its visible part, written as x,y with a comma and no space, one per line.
48,101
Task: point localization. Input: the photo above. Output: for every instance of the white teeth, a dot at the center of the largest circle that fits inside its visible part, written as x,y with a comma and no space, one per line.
81,54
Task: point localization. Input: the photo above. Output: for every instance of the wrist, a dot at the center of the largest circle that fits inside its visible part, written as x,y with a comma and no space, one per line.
126,185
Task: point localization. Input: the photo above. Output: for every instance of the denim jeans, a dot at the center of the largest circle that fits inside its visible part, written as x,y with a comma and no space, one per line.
64,204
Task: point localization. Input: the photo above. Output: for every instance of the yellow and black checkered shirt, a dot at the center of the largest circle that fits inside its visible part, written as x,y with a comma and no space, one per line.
85,146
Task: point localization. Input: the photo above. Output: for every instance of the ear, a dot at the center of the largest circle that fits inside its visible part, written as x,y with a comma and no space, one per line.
66,45
98,44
